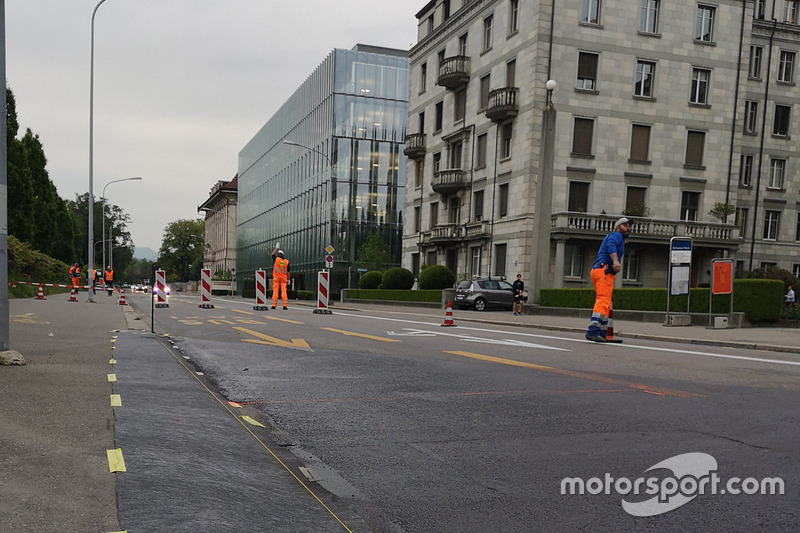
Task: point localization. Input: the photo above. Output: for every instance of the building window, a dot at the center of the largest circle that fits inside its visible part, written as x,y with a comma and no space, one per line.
780,126
700,81
417,219
750,116
487,32
786,66
790,11
645,74
578,201
648,21
420,172
430,24
695,144
477,205
475,264
502,201
582,136
640,142
590,13
511,73
759,11
573,261
455,210
480,160
754,69
462,45
484,96
746,171
421,118
415,265
690,205
500,253
777,170
460,105
437,162
434,214
635,201
587,70
505,140
741,220
423,77
439,116
796,270
772,221
797,236
456,153
630,266
430,258
513,16
704,29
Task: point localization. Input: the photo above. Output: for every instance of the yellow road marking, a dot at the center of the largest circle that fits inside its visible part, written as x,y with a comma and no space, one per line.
284,320
112,361
364,335
116,400
250,321
580,375
253,422
112,378
242,311
273,341
28,318
115,461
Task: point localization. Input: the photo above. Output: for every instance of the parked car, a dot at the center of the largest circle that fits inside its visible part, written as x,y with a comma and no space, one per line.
480,294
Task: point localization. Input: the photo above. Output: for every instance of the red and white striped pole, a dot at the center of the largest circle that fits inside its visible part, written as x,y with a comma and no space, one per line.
160,289
205,289
322,293
261,290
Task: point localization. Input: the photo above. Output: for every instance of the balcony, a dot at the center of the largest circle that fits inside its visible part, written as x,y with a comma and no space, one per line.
646,229
502,104
415,146
454,72
453,233
450,181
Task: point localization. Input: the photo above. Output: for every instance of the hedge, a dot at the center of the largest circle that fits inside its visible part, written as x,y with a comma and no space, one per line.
759,299
436,277
399,295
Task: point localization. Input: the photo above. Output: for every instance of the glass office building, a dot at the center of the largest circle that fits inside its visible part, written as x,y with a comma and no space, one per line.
326,170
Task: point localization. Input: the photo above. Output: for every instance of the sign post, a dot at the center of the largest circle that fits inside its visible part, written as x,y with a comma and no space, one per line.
680,266
721,283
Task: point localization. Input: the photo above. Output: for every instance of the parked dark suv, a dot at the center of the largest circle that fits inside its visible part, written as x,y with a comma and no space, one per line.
480,294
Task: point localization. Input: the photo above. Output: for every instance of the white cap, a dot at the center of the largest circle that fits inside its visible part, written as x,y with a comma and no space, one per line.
620,222
280,252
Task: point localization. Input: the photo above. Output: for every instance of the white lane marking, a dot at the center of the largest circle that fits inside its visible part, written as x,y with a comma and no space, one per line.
469,338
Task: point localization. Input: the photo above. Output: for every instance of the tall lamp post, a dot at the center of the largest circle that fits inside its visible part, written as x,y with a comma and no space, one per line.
91,145
110,227
544,193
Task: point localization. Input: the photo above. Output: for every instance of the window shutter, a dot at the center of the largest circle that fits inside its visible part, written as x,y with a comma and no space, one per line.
640,142
587,65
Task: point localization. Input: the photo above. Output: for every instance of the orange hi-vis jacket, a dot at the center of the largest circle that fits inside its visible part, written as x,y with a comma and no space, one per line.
280,272
74,272
109,275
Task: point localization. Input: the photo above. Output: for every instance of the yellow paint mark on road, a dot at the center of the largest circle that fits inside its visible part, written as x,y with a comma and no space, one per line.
191,322
242,311
580,375
253,422
215,322
113,340
284,320
250,321
112,361
364,335
28,318
116,400
273,341
115,461
112,378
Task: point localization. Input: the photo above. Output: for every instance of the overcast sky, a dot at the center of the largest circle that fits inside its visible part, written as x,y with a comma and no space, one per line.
180,86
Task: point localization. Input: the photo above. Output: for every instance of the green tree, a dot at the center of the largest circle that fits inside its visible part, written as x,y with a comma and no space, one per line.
20,185
115,218
374,254
181,252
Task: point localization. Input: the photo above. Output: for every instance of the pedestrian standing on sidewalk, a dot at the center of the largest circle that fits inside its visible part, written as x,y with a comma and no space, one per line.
789,296
603,273
280,276
519,288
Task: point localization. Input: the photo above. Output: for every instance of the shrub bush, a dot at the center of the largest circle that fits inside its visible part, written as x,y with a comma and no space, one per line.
436,277
433,296
398,278
370,280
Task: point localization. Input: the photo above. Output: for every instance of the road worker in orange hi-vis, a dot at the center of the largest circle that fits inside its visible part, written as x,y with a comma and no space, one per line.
108,277
75,275
280,276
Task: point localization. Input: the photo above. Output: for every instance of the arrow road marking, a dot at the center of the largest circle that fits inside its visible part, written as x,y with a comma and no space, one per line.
364,335
273,341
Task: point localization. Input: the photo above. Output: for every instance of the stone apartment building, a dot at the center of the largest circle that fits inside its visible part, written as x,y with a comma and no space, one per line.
219,252
662,110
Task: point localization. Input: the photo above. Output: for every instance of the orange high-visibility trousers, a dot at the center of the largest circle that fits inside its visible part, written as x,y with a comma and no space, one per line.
603,289
279,290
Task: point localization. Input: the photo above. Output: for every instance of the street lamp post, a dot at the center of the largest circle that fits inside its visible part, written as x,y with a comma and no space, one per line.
544,193
110,226
91,144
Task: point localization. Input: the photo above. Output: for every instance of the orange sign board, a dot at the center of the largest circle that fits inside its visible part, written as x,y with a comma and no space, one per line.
723,277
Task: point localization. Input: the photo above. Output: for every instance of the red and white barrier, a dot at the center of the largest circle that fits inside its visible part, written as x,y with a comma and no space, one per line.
205,289
160,289
322,293
261,290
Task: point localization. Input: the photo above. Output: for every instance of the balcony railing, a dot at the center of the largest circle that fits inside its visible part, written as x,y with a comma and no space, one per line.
415,146
454,72
502,104
594,224
447,182
453,232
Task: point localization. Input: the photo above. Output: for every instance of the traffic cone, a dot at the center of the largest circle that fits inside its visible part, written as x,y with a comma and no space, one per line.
610,330
40,296
448,316
73,297
122,297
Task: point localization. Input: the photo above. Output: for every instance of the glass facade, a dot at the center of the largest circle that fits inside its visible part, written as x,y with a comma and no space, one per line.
341,179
